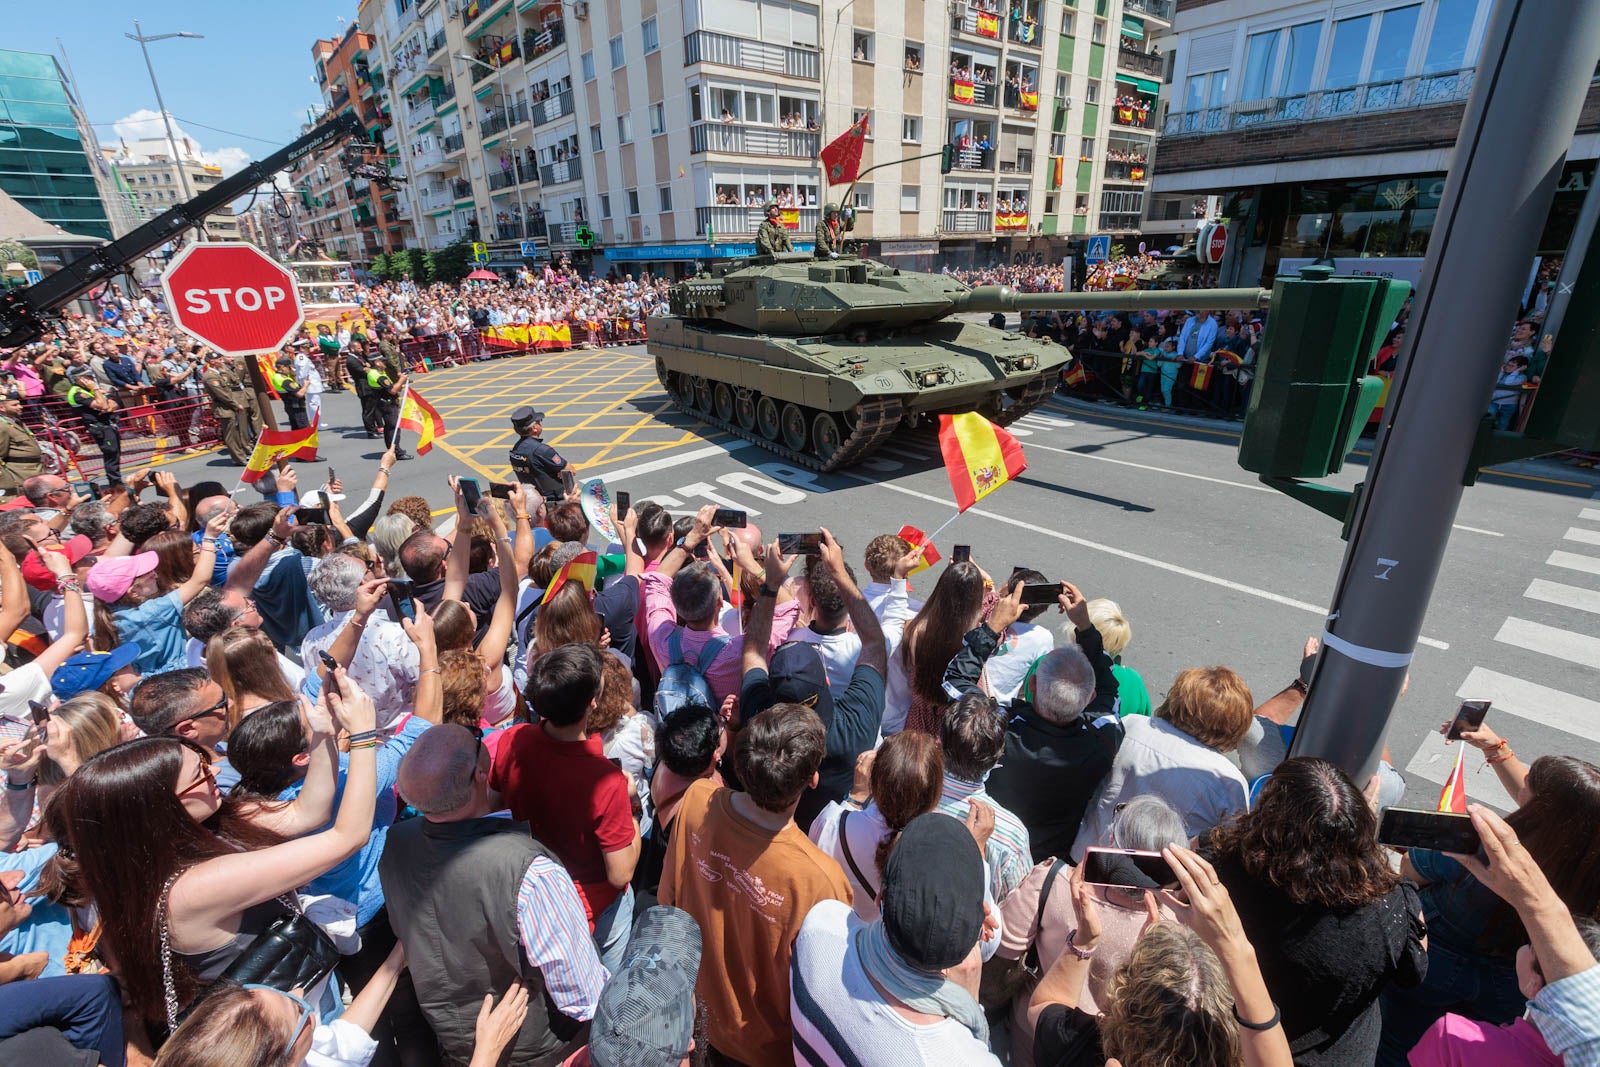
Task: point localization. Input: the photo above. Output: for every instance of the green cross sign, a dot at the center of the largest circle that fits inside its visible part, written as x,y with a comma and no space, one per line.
584,236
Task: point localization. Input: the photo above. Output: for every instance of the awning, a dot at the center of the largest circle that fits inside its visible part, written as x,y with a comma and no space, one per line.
1132,27
1144,85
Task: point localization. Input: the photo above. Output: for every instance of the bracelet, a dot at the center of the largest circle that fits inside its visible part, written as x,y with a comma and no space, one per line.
24,787
363,736
212,541
275,539
523,516
1258,1027
355,745
1299,686
429,670
1503,744
1081,953
383,470
67,583
1500,759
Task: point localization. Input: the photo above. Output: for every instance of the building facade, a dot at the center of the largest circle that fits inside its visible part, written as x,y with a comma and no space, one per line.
155,182
661,127
1327,130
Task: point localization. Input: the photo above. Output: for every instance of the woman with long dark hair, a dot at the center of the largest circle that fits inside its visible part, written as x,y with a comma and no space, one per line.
1473,935
914,697
1332,923
152,838
244,662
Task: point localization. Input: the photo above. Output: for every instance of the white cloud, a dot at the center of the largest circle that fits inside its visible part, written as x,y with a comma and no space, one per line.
146,125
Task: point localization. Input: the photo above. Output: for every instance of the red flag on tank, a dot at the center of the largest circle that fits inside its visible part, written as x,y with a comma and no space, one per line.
842,157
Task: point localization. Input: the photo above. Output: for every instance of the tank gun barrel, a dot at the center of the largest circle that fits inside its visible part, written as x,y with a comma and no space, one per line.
1004,298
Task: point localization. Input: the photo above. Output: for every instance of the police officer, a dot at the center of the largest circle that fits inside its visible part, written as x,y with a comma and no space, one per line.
830,234
355,361
386,393
772,238
20,455
238,417
532,461
291,392
99,415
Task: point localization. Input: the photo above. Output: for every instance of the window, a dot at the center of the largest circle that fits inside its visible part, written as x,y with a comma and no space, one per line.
1058,144
1447,44
1081,206
910,197
1066,23
1061,87
1122,201
862,46
664,192
1025,159
863,198
633,201
658,117
856,115
911,129
1050,204
913,61
1091,93
652,37
1301,58
1346,52
1279,62
1098,34
619,55
1086,148
624,129
1258,53
1393,50
596,141
758,108
587,61
605,206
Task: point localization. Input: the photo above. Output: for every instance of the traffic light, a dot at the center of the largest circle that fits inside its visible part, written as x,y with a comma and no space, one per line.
1312,394
947,159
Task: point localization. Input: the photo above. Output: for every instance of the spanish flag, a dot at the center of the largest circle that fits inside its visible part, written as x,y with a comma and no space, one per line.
1030,101
988,25
917,539
296,444
264,361
580,569
1453,797
979,456
1200,377
1076,375
961,91
417,415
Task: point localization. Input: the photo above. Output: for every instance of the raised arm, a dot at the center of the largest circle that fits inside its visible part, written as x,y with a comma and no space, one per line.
368,596
495,639
310,809
248,567
633,562
459,565
679,556
205,563
1063,982
14,603
167,485
522,543
964,671
74,620
1511,771
429,701
758,631
874,651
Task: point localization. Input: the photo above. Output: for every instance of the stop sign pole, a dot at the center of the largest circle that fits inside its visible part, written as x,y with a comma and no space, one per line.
233,298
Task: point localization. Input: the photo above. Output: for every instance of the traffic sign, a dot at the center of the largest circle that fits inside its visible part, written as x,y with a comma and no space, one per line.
1099,249
530,249
34,277
1213,242
233,297
480,252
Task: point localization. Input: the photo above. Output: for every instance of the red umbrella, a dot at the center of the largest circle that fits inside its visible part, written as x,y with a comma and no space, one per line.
481,275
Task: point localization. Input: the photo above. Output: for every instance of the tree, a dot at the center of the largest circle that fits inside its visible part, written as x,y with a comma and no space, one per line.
17,252
380,268
427,272
452,263
401,265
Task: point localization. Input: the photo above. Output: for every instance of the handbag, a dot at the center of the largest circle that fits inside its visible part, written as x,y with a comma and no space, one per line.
291,953
1003,979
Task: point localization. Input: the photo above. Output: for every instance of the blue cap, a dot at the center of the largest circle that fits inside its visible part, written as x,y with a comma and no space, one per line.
91,670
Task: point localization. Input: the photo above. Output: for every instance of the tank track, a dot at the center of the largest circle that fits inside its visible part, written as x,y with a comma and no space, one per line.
875,421
1034,394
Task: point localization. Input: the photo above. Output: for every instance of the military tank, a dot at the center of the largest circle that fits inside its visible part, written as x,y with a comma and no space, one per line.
821,360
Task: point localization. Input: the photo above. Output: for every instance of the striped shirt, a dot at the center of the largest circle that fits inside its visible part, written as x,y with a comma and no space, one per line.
1567,1013
555,935
1009,854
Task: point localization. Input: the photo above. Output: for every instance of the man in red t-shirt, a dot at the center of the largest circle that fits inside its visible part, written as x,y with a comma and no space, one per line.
573,798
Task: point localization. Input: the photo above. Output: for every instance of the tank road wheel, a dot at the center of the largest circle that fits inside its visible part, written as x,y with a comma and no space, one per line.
744,409
682,388
702,395
825,436
795,431
767,423
722,396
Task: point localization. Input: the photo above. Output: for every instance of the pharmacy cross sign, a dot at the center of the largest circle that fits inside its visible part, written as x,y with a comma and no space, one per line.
584,236
232,297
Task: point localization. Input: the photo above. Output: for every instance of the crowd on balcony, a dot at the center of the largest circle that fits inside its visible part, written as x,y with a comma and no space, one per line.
1020,92
966,72
410,56
756,196
1132,44
913,59
1116,155
796,121
1131,110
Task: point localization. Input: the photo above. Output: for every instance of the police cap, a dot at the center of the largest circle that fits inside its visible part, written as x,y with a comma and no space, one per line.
525,416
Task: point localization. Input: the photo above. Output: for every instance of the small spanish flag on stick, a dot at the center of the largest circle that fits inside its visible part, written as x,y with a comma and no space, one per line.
979,456
917,539
1453,797
419,416
295,444
1076,375
580,569
1200,377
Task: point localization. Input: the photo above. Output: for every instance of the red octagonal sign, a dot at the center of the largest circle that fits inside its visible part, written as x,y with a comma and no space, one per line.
233,297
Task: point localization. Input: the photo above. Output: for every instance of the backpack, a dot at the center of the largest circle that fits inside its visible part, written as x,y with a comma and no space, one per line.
683,683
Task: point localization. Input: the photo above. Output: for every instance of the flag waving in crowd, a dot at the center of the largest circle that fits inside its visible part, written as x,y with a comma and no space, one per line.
272,444
979,456
419,416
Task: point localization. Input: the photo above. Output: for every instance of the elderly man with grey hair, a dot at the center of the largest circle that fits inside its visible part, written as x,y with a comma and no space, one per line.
1063,733
386,663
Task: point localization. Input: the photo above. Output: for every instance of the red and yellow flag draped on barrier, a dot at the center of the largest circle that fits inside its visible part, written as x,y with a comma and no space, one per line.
1200,377
419,416
295,444
1030,101
1075,374
541,335
979,456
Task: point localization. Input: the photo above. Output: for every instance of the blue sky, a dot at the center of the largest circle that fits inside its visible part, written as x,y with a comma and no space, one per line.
251,75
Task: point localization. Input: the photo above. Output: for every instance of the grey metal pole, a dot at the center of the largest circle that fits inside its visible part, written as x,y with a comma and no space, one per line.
1538,59
172,141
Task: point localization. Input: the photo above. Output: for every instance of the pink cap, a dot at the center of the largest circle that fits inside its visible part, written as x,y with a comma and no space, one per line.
111,578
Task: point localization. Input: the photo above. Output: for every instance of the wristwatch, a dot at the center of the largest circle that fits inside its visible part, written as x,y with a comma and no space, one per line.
767,590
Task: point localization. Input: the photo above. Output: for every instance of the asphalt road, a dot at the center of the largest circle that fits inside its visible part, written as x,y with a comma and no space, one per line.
1209,566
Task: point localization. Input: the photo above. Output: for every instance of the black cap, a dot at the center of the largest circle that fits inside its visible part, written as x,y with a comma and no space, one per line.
798,676
525,416
932,897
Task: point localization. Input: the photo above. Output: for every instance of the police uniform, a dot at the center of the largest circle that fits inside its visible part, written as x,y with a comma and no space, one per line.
532,461
385,402
294,406
357,366
20,455
101,425
235,406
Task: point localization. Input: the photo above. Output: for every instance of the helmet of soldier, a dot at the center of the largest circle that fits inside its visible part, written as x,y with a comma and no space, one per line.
772,207
830,209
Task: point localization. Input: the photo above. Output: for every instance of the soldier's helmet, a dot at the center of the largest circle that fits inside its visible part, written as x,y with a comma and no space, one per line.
830,209
772,207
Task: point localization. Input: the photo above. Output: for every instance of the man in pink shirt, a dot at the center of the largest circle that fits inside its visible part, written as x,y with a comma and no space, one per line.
682,589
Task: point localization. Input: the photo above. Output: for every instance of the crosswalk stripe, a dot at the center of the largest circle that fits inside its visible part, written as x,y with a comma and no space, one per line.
1591,514
1574,561
1532,701
1568,596
1582,536
1551,641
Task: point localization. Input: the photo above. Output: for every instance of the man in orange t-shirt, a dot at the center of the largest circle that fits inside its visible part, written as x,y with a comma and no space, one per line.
748,875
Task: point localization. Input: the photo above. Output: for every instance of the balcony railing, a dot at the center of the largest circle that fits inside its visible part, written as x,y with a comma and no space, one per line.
454,143
506,179
340,98
1143,62
436,42
706,46
504,118
417,114
1141,116
1161,9
538,42
422,162
972,94
1119,220
978,19
1019,99
736,221
550,109
1123,171
1024,31
434,198
508,231
564,233
567,170
967,222
1423,90
461,188
490,60
974,159
741,139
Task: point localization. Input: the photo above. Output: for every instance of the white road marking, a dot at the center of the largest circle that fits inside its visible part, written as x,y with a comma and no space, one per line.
1551,641
1531,701
1568,596
1591,514
1582,536
1575,562
1160,564
1476,530
1435,760
668,462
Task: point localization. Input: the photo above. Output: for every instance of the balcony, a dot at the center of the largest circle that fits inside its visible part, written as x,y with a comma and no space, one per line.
735,221
566,170
705,46
1143,62
509,231
564,233
434,198
461,188
972,94
1118,170
979,19
1024,31
740,139
1134,112
1161,9
436,42
967,222
1024,100
550,109
506,179
454,143
492,58
1424,90
974,159
538,42
418,113
503,118
339,98
428,161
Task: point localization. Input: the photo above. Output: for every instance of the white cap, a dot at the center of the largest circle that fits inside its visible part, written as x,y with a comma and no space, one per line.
312,498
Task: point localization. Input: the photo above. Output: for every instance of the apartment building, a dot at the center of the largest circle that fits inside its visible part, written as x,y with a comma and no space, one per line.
1327,129
156,182
661,128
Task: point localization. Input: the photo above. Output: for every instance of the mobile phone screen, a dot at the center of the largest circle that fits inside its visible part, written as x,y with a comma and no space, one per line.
1127,867
1035,593
471,494
500,490
1469,717
624,502
961,554
311,515
729,518
1441,831
805,544
400,596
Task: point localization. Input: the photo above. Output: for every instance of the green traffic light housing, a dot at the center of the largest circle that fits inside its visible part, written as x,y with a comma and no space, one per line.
947,159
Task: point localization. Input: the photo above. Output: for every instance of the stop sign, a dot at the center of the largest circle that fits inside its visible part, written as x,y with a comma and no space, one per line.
1214,243
232,297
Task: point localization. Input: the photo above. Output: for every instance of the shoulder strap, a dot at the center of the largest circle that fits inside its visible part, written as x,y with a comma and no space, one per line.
713,648
855,869
169,988
675,646
1032,956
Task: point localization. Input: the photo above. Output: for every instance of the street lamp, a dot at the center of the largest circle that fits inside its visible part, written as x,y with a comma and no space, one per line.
172,142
